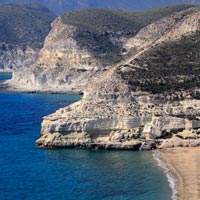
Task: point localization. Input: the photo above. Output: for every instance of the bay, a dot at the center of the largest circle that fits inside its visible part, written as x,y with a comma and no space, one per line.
30,173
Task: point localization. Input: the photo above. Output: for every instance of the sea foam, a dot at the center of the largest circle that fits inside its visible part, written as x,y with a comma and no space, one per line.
170,177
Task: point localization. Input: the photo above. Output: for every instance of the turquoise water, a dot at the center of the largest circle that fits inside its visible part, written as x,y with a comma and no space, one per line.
30,173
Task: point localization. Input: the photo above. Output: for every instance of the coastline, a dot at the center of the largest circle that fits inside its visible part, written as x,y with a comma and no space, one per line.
9,86
171,178
5,71
6,88
181,168
180,165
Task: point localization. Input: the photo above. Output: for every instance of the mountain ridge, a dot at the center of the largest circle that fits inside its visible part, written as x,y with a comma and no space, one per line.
61,6
19,20
74,52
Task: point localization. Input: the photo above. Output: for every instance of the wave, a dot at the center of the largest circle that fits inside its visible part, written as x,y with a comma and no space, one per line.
170,177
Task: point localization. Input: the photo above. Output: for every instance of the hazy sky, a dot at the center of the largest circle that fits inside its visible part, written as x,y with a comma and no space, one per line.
61,6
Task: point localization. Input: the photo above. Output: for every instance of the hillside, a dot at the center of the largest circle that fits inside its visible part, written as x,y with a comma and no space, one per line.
84,43
171,67
23,28
149,100
97,27
62,6
24,24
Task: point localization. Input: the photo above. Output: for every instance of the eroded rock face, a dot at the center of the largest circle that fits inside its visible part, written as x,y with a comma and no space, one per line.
15,56
113,114
118,117
62,66
70,57
119,120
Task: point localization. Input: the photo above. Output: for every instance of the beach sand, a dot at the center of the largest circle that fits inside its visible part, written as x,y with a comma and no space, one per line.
184,164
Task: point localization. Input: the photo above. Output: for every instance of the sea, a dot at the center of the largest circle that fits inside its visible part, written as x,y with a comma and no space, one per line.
31,173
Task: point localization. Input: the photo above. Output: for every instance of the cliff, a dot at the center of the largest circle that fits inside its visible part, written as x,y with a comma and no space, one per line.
15,56
148,100
23,28
81,44
62,65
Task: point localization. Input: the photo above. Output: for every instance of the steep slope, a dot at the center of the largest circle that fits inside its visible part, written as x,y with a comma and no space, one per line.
163,71
150,101
83,43
23,27
62,6
107,25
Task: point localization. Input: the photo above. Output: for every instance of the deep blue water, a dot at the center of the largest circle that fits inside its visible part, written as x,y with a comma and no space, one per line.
5,76
30,173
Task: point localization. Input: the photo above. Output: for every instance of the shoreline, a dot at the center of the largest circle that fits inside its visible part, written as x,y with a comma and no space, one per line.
180,165
6,71
5,88
19,91
171,178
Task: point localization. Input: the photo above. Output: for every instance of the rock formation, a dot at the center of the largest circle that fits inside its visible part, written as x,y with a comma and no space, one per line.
82,44
15,56
149,100
62,65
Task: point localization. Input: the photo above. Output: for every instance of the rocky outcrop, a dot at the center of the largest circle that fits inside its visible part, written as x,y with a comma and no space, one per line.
15,56
62,64
115,114
82,44
121,119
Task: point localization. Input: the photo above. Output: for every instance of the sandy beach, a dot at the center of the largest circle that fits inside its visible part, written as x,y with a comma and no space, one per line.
184,164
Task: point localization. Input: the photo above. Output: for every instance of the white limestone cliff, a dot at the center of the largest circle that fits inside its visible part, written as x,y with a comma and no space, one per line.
15,56
62,66
112,115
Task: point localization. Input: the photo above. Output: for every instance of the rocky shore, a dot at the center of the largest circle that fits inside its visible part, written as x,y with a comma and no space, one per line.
15,56
149,100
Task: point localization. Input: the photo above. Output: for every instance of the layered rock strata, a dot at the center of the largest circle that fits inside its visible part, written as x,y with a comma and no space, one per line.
62,64
120,119
118,112
15,56
82,44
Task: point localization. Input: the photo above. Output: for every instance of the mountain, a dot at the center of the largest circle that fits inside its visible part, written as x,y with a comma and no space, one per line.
144,95
61,6
24,23
83,43
23,28
148,100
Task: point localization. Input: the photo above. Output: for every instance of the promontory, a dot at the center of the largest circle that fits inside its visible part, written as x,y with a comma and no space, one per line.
139,76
